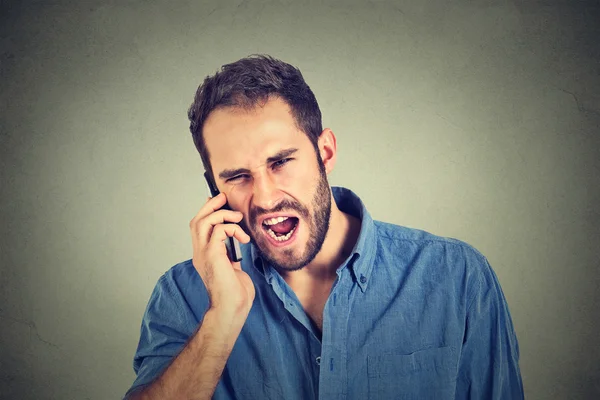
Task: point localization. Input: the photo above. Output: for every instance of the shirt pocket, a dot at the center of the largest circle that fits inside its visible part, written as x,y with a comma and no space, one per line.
424,374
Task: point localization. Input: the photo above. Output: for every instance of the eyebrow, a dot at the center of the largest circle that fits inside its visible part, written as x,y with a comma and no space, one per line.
230,173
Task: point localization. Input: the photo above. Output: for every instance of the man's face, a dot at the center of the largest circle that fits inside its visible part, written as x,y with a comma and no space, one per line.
269,171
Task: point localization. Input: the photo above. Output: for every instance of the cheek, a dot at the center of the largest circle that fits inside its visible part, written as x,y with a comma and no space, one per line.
287,179
238,198
297,178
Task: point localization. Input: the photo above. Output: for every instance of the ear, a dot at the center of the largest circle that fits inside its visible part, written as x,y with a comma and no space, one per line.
327,149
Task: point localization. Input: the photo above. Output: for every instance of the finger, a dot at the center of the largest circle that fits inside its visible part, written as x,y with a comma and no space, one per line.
204,228
222,216
223,231
211,205
216,246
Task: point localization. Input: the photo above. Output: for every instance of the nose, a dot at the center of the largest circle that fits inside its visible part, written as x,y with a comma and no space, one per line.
266,195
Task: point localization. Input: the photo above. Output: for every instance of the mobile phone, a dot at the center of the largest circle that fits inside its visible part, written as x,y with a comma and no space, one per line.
232,244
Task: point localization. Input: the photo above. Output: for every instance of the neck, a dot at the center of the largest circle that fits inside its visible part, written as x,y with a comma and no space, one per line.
340,240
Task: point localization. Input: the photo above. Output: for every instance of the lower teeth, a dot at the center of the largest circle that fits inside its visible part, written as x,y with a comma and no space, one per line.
281,238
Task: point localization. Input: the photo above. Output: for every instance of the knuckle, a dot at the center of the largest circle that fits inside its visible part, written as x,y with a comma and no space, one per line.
194,222
219,229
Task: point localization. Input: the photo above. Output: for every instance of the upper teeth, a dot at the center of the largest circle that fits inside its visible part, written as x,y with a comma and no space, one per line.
275,220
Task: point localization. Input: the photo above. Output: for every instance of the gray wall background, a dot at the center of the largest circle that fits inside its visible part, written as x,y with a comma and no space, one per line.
475,120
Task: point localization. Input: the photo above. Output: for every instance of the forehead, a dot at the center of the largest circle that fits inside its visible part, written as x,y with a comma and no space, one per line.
237,137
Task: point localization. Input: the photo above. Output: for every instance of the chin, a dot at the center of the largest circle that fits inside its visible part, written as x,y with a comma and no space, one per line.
282,258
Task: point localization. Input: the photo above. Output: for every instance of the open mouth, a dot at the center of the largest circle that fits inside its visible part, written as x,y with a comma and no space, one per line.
280,229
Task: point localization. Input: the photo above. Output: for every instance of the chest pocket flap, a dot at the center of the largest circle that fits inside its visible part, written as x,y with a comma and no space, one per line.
441,358
424,374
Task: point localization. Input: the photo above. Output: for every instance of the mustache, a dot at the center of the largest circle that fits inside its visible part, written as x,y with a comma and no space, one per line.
256,212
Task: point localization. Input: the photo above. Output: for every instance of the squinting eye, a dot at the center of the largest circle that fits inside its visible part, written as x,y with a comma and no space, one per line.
236,179
281,162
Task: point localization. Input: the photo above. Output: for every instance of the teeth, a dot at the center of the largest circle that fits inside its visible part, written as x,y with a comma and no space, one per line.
280,238
274,220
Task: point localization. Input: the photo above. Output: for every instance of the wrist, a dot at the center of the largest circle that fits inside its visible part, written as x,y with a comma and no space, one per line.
225,321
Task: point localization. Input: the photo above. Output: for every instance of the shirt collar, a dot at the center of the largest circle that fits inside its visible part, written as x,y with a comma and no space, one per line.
360,260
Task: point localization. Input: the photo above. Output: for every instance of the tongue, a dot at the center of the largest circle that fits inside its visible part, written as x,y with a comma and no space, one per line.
284,226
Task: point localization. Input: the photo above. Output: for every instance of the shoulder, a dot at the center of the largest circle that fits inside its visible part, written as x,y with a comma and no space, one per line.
180,288
420,256
431,255
183,279
397,237
181,276
181,272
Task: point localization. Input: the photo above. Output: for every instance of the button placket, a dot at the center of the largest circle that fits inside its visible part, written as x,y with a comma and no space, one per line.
333,376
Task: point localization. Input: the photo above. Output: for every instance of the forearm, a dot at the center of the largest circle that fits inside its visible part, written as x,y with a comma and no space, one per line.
195,372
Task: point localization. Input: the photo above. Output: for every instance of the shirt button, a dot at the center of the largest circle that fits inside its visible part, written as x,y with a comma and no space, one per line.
363,279
318,360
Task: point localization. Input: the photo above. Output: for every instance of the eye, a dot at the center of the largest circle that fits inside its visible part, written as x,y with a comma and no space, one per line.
237,178
281,163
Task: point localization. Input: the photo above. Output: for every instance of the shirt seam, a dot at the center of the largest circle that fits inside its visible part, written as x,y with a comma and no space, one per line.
472,300
461,374
455,242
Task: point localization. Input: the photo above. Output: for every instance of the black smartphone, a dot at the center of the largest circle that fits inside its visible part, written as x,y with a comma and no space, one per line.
232,244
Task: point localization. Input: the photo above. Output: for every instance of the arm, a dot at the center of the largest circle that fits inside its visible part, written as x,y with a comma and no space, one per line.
195,372
489,362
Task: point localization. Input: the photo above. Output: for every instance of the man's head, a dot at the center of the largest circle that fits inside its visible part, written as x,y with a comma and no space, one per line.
248,83
257,126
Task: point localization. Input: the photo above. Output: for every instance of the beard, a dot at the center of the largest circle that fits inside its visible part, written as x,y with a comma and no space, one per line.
317,221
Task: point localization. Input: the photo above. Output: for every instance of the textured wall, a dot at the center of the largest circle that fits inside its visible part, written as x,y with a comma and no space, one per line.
476,120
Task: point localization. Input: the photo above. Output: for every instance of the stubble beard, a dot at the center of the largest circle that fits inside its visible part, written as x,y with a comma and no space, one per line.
317,225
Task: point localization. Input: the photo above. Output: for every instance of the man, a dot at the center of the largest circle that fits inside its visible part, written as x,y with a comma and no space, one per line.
326,303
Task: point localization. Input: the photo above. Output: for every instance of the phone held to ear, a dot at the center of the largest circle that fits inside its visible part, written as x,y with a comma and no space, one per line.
233,246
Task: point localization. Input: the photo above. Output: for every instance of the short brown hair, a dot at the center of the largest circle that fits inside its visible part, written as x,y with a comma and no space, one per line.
248,82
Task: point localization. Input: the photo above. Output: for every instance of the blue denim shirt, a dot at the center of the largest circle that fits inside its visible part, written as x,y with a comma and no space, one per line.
411,315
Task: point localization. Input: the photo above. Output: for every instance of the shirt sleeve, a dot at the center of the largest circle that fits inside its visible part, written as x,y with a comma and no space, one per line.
489,361
167,325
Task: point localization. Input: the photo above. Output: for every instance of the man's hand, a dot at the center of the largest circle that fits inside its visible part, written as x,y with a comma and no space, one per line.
196,371
230,290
